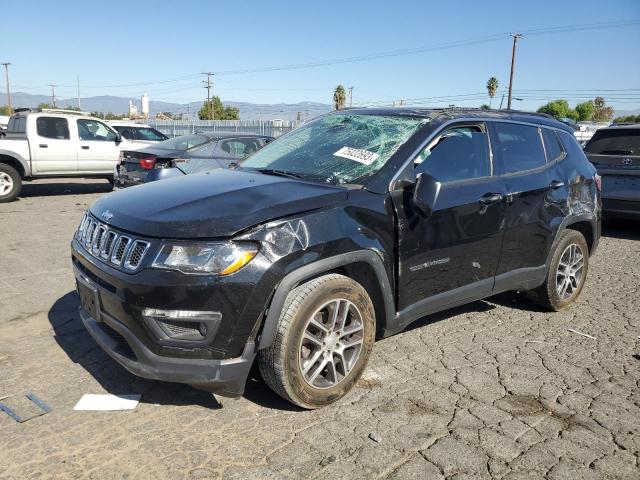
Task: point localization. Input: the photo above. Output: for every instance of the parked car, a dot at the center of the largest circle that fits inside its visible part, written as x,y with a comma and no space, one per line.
585,130
615,152
350,227
43,143
186,154
137,135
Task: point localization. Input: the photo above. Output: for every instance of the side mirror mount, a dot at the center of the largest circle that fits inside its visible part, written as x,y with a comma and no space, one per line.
425,193
118,137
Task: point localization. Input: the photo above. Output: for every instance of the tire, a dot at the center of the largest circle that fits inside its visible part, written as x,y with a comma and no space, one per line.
10,183
550,294
282,363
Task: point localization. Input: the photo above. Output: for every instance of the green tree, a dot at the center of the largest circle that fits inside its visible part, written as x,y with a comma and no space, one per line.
601,112
585,110
4,110
484,106
339,98
216,110
492,88
559,109
44,105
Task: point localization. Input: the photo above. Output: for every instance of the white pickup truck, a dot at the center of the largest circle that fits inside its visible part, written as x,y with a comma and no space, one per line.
57,143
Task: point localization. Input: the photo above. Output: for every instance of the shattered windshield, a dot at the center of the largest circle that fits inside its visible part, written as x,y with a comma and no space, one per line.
337,149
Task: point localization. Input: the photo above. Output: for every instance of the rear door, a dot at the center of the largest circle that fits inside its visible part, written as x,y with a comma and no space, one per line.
536,193
97,148
615,152
52,149
451,253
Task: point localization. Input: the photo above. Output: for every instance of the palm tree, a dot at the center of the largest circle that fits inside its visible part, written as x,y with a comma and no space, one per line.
492,88
339,98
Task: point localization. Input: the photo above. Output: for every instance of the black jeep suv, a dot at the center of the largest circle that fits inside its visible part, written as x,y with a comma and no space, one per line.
346,229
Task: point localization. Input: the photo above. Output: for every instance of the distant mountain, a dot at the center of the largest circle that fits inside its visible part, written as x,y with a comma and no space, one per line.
120,105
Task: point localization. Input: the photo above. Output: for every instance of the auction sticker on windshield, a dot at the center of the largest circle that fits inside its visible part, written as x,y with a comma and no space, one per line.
357,154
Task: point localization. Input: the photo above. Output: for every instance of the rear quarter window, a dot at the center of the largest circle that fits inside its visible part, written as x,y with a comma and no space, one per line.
551,144
17,124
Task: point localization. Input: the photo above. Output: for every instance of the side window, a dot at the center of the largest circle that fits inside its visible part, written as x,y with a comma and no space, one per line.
52,127
151,134
458,153
571,145
519,147
551,144
17,124
95,131
240,147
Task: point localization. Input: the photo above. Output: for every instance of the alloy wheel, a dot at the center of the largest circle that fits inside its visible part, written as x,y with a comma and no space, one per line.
331,343
570,271
6,183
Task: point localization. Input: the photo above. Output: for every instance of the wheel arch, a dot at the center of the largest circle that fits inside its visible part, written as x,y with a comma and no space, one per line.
15,163
364,266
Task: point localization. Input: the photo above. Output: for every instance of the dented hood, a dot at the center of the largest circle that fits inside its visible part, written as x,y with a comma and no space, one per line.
219,203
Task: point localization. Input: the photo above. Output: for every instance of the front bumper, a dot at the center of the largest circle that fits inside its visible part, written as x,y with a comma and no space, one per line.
220,364
224,377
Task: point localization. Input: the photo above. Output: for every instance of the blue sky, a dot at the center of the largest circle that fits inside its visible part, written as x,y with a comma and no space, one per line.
118,42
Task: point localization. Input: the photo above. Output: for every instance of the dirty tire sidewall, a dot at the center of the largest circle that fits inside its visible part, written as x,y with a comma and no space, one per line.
17,183
301,303
547,295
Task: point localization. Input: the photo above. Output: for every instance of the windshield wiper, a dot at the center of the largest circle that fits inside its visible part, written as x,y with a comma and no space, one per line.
279,173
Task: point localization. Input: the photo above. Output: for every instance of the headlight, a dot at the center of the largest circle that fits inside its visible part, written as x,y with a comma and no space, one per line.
216,258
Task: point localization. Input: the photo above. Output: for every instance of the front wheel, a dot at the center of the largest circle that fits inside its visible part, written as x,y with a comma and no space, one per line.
567,272
324,339
10,183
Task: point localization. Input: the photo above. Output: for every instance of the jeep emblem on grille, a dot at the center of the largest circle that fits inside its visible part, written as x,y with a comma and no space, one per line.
107,215
627,161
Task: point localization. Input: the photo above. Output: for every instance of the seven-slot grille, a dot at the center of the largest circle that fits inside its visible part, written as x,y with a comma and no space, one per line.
111,246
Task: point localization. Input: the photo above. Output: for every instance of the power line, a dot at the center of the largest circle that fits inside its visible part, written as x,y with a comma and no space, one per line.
211,114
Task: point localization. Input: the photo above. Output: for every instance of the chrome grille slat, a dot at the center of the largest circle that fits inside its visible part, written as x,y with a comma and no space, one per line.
110,246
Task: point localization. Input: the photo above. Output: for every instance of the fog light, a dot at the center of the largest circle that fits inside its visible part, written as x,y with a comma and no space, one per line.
171,326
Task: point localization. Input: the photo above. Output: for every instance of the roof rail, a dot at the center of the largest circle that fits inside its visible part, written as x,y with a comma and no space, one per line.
62,110
50,110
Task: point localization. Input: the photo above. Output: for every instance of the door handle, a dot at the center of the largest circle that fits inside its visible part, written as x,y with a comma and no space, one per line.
556,184
43,145
85,147
490,198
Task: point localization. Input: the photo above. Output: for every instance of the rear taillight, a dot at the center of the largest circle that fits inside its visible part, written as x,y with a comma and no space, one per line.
148,162
598,179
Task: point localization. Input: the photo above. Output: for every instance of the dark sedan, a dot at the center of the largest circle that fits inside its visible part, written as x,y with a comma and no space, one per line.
615,152
185,155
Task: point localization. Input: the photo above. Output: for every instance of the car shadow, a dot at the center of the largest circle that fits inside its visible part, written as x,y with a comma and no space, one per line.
70,334
72,337
622,228
49,189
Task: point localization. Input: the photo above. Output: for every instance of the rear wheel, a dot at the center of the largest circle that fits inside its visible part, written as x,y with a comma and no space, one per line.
10,183
567,272
324,339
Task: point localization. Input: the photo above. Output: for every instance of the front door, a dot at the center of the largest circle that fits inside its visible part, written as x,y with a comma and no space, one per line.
97,148
449,250
53,151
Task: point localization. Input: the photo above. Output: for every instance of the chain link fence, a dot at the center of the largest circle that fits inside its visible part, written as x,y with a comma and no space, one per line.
173,128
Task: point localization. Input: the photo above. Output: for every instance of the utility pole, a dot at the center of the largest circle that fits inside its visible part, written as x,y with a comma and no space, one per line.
53,94
350,97
78,85
513,62
211,112
6,76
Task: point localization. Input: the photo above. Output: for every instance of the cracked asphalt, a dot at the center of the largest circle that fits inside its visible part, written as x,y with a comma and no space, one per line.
494,389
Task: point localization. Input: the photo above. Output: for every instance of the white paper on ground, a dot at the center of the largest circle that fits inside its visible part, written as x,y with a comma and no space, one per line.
106,402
